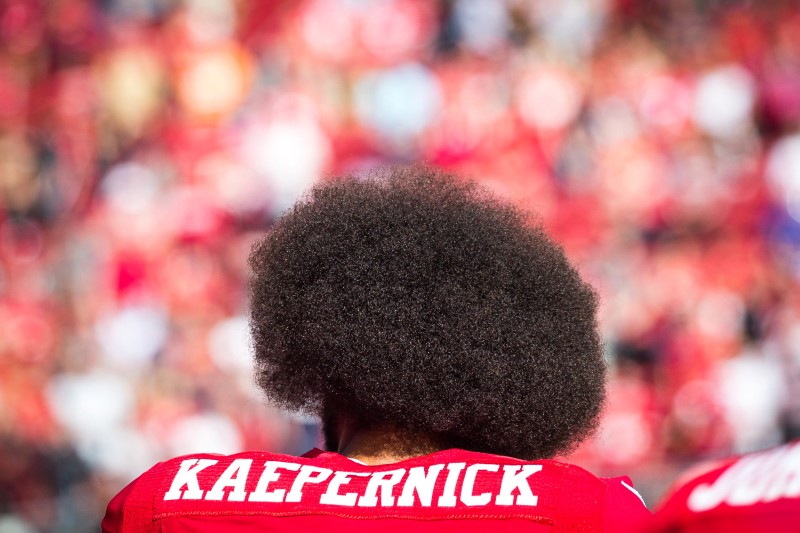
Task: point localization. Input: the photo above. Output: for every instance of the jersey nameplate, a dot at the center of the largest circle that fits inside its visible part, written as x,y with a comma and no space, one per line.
437,485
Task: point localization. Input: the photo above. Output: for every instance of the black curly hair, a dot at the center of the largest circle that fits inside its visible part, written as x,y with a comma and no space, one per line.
414,299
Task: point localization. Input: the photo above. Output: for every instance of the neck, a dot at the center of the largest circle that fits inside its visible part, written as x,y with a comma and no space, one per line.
379,446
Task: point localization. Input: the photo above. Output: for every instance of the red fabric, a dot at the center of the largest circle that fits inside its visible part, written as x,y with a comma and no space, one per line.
752,493
444,491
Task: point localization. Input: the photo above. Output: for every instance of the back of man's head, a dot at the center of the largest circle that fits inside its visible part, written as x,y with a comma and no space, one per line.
413,299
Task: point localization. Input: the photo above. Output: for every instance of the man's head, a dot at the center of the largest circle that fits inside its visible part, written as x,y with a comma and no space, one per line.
415,300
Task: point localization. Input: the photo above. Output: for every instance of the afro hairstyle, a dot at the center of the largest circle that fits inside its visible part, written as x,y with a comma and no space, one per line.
414,299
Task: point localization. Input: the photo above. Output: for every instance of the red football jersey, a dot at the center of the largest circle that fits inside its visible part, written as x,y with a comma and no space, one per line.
755,492
452,490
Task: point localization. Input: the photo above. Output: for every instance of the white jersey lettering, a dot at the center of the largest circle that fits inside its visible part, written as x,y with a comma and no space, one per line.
307,474
468,486
707,496
754,480
516,479
187,477
763,477
270,475
420,482
332,496
787,482
448,498
385,482
234,476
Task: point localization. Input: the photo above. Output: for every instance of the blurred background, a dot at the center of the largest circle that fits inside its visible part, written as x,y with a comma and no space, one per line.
144,145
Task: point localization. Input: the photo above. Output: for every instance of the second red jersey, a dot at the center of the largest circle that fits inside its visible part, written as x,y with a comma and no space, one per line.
758,492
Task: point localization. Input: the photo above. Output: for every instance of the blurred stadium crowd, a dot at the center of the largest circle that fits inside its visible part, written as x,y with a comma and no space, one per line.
144,144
